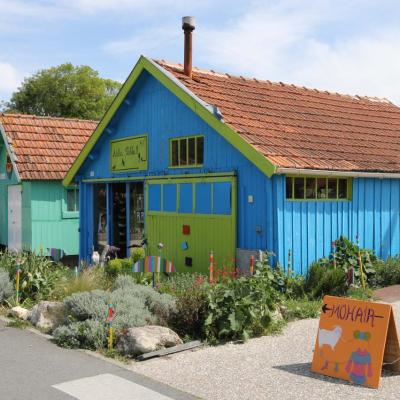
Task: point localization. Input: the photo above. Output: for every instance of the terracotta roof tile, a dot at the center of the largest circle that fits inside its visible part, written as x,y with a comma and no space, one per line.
295,127
45,147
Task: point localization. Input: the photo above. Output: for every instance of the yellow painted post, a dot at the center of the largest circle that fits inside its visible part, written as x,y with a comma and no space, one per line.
362,277
18,261
334,254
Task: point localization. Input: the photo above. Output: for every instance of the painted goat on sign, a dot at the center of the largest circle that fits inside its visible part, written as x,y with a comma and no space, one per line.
329,337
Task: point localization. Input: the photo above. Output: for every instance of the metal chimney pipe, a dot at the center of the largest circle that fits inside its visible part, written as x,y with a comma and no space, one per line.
188,26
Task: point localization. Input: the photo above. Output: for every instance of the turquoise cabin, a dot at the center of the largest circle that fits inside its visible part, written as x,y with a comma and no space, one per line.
203,162
36,212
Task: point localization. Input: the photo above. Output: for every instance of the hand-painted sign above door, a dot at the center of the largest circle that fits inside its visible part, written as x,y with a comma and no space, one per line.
129,154
355,339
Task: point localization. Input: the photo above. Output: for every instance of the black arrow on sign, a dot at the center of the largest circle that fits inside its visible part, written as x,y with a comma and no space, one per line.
325,308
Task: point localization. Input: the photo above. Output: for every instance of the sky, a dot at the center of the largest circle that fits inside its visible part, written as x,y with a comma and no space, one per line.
350,47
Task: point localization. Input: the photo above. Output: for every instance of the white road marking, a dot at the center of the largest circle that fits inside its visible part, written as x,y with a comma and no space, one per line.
108,387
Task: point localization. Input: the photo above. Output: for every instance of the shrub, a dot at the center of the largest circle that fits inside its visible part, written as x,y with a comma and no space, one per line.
387,272
114,267
88,334
191,304
134,305
240,309
137,253
6,287
88,305
322,280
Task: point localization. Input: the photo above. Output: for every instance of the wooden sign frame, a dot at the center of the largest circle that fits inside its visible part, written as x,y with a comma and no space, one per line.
355,340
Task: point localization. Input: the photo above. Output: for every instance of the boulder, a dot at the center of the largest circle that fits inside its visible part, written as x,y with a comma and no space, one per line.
19,312
136,341
47,315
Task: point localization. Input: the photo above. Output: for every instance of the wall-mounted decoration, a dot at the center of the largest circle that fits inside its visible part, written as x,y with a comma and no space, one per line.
186,229
129,154
184,245
188,262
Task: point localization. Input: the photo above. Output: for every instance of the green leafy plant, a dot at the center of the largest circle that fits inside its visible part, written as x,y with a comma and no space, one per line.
240,309
38,275
346,257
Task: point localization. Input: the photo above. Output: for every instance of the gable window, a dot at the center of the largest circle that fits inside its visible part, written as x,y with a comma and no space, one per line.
71,203
187,151
317,188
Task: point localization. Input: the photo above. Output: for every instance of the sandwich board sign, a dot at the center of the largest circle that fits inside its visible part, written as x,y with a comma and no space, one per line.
355,339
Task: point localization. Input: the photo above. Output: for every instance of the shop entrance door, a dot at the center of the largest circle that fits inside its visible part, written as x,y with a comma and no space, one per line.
119,214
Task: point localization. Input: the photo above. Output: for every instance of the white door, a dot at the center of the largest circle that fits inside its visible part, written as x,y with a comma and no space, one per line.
15,217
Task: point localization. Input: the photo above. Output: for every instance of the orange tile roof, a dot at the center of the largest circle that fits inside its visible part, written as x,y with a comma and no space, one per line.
44,147
301,128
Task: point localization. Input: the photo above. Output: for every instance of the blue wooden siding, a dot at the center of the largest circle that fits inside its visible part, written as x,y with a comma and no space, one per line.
307,228
155,111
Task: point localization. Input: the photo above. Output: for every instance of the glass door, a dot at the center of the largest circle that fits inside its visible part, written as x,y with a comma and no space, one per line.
136,217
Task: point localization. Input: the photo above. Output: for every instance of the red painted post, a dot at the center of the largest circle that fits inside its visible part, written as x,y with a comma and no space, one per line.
251,265
211,279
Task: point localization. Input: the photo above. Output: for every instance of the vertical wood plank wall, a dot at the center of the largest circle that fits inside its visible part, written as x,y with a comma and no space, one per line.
307,228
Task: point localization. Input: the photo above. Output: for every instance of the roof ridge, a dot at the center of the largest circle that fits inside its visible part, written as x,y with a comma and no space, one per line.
20,115
179,67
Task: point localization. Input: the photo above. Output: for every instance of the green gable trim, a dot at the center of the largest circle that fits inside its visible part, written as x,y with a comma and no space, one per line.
189,100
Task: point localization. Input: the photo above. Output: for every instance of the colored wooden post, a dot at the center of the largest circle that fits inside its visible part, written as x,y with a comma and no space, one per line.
289,263
110,324
251,265
17,279
76,272
362,277
334,254
211,279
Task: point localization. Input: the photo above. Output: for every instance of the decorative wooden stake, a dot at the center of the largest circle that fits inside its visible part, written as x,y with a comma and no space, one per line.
17,279
110,324
76,272
362,277
334,254
289,263
251,265
211,279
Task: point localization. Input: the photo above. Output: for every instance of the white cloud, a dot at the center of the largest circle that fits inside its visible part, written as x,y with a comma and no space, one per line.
289,42
10,79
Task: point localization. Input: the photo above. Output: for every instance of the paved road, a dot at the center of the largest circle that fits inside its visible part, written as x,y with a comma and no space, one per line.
32,368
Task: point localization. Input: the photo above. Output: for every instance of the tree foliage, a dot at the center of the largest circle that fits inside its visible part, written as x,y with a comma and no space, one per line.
65,91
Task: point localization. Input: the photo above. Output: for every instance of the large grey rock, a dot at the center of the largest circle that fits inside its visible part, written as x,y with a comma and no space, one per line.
47,315
19,312
136,341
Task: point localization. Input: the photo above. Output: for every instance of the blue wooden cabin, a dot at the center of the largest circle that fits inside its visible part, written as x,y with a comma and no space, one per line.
203,161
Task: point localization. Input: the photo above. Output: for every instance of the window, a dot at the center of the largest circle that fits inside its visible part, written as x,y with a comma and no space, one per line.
72,200
187,151
317,188
70,205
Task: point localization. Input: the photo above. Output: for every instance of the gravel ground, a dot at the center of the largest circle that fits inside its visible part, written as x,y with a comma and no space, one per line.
271,367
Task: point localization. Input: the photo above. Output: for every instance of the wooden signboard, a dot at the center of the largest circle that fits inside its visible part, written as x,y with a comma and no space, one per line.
355,339
129,154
